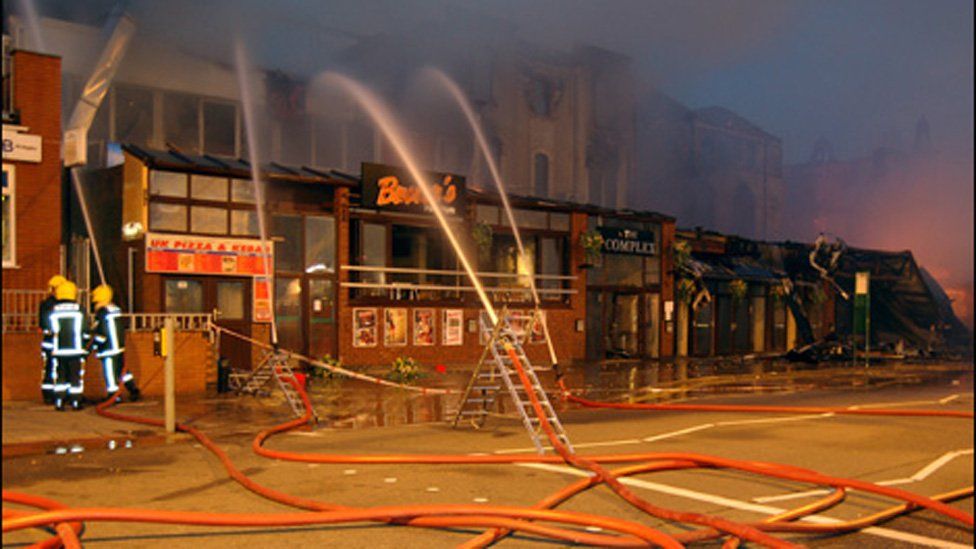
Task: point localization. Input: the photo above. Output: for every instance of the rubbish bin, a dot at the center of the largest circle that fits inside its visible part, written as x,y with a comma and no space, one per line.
223,375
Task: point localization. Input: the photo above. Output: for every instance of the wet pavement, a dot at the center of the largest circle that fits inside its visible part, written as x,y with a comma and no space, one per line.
179,474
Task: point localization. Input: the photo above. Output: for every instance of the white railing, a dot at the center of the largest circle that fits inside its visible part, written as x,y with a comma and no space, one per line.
185,322
20,309
507,284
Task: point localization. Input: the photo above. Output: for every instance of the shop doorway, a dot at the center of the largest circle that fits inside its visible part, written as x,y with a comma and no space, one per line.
230,301
622,324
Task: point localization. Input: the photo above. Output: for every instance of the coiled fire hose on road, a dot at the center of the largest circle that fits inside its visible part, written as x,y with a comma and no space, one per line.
502,519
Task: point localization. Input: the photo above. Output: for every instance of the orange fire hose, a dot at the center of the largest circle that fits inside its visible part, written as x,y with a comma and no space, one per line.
506,519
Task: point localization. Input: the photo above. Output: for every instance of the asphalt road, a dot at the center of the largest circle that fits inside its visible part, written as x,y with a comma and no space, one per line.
922,455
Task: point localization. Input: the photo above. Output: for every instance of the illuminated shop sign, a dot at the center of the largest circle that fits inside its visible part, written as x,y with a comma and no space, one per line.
391,188
627,241
184,254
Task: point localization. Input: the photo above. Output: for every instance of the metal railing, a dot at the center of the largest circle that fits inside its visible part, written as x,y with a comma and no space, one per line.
185,322
413,283
20,311
20,308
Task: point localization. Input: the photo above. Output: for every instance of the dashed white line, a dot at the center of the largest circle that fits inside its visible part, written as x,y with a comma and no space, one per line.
746,506
681,432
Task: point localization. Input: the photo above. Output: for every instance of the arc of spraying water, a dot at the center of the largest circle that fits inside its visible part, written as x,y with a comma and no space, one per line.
462,100
247,104
387,124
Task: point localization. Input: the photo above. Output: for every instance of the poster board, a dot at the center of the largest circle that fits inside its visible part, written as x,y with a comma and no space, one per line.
452,327
364,327
394,327
424,327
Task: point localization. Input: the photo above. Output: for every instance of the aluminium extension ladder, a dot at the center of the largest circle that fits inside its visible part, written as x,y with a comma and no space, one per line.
275,364
496,369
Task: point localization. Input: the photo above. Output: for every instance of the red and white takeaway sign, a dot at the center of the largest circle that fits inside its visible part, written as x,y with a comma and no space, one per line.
171,253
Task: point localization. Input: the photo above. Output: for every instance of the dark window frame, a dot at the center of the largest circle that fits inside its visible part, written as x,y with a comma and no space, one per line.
229,205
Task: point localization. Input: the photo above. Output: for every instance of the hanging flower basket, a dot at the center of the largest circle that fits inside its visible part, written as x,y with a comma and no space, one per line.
685,290
681,253
482,235
592,243
817,295
738,289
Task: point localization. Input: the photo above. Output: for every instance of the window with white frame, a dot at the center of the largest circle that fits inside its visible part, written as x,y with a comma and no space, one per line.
9,217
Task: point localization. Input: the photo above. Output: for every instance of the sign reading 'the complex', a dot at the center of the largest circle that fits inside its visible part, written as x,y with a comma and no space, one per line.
174,253
390,188
627,241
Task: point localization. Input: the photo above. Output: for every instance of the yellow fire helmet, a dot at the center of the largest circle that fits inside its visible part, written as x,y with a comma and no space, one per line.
102,295
56,281
67,290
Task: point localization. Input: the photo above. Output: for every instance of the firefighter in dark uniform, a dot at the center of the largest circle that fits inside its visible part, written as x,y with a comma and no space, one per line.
109,342
47,339
69,330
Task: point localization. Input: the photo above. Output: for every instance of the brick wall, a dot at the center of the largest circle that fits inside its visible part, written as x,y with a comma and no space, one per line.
37,95
194,366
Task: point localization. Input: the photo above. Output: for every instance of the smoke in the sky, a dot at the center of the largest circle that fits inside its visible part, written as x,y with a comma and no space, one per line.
856,73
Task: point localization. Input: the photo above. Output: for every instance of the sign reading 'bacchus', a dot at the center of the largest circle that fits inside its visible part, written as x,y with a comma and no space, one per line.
390,188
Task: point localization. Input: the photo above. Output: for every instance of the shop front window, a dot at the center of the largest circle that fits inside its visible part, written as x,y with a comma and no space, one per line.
320,244
288,311
183,296
167,217
779,324
201,204
287,232
702,330
207,220
230,300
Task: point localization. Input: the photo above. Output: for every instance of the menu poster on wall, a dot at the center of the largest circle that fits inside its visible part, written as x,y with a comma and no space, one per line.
364,327
453,327
423,327
519,321
484,327
175,253
538,334
395,327
261,300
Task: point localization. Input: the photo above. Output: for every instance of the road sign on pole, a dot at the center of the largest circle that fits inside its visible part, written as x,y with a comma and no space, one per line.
862,310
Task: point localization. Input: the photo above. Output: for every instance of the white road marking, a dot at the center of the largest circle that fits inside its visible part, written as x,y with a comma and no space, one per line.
935,465
746,506
349,472
681,432
433,489
583,445
390,480
949,399
480,500
920,475
774,419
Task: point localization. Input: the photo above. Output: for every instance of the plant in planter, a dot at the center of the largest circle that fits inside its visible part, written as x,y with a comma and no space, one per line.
681,253
592,243
685,290
404,370
482,235
777,293
738,289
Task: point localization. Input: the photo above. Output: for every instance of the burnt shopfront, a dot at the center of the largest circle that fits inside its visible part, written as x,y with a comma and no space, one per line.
629,295
404,292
